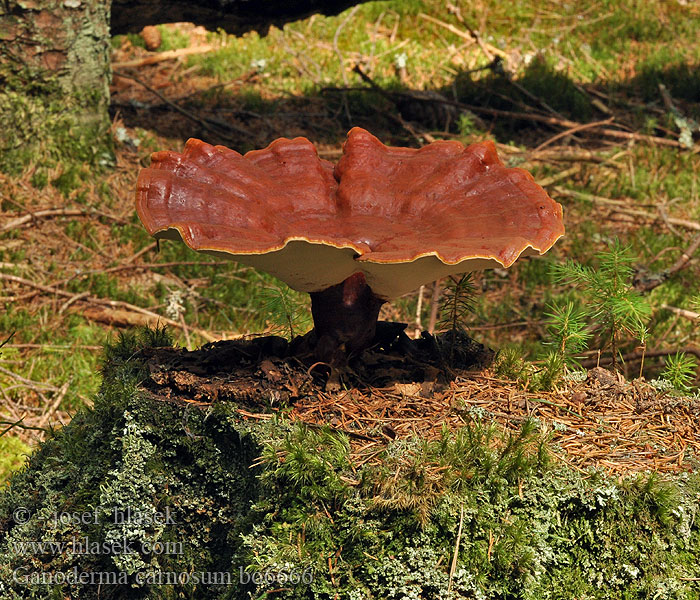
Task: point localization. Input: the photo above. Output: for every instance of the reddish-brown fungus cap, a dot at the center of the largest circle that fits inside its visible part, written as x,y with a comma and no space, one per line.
401,216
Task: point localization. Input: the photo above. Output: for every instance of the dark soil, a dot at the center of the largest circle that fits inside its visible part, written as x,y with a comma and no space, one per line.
246,371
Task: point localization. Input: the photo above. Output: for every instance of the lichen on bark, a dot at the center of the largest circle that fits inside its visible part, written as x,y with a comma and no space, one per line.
54,76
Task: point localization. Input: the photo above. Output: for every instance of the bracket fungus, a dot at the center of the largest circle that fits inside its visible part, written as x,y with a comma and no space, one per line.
377,225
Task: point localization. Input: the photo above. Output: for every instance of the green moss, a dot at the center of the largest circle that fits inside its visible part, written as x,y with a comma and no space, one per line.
13,454
49,130
172,38
531,528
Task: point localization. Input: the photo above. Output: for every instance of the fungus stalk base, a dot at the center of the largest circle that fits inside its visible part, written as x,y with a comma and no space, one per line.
345,317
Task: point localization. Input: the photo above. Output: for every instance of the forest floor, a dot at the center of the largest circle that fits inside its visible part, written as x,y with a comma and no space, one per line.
599,101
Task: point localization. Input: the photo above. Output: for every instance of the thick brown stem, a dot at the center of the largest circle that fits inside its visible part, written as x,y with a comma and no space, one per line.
345,317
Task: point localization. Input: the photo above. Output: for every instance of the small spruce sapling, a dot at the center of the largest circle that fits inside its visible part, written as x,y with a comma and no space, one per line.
611,300
567,329
288,310
458,300
680,371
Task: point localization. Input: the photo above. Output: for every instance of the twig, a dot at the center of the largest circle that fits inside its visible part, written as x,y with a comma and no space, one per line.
71,300
57,212
650,282
419,308
161,56
9,337
635,356
682,312
141,252
106,302
398,118
186,331
55,346
205,123
618,206
547,181
488,49
245,78
564,153
434,306
54,405
524,116
566,123
13,424
455,554
35,385
572,130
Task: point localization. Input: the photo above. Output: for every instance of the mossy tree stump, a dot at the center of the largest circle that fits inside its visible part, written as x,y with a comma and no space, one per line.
154,494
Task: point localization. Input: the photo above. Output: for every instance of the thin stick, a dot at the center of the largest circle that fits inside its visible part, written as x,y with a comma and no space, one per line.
419,308
55,346
634,356
618,206
572,130
13,424
186,113
615,133
547,181
56,212
566,123
488,49
649,283
141,252
75,298
434,306
453,566
43,421
35,385
186,330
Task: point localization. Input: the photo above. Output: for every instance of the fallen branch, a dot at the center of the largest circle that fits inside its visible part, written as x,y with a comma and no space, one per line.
115,304
151,319
650,281
523,116
651,139
161,56
547,181
565,153
682,312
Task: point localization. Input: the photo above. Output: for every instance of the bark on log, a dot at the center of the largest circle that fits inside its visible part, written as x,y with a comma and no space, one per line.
233,16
